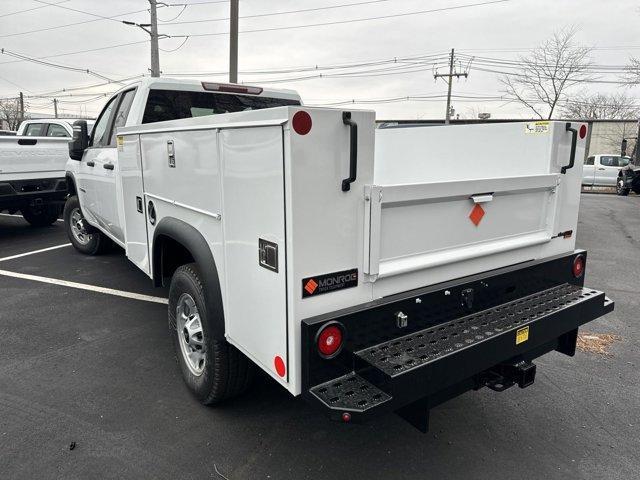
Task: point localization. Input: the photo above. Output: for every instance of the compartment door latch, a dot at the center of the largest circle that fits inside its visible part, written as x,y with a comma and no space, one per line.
268,255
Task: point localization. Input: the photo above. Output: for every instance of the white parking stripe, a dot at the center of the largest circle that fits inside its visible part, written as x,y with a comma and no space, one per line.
34,252
20,216
84,286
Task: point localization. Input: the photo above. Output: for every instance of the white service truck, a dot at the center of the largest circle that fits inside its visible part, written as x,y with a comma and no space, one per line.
358,267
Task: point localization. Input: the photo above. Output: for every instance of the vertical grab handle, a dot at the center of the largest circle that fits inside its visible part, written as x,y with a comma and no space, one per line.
572,155
353,151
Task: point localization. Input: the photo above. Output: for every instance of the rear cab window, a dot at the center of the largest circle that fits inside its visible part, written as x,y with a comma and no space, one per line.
163,105
55,130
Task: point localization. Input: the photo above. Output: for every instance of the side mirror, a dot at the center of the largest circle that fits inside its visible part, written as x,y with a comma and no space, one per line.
80,140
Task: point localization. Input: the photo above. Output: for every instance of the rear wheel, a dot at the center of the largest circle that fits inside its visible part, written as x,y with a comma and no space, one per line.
41,215
84,238
213,369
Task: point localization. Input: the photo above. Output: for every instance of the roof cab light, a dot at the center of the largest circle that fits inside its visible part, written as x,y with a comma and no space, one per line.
578,266
231,88
329,340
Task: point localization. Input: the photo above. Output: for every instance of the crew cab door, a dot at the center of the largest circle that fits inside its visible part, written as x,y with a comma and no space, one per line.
102,159
588,171
606,172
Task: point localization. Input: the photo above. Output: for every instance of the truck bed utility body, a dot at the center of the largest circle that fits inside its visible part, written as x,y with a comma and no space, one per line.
363,268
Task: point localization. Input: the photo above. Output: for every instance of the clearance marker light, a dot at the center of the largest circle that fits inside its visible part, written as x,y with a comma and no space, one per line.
301,122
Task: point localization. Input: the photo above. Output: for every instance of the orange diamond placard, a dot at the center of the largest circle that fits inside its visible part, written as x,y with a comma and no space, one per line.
311,286
476,214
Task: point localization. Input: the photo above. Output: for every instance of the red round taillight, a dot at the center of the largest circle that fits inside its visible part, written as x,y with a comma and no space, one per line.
330,340
583,131
301,122
578,266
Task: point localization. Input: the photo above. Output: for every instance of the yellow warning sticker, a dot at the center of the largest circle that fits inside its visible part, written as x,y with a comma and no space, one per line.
522,335
536,128
120,142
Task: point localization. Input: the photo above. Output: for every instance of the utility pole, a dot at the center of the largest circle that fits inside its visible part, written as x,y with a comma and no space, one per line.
452,73
233,41
21,102
155,55
55,107
152,30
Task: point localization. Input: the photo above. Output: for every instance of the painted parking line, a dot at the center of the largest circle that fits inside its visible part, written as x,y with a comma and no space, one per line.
20,216
84,286
33,252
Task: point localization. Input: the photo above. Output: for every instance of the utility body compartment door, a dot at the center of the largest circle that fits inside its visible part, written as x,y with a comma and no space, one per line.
253,220
132,202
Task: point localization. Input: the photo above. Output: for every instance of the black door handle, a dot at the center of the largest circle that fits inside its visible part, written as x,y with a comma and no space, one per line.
353,151
27,141
108,166
572,155
91,164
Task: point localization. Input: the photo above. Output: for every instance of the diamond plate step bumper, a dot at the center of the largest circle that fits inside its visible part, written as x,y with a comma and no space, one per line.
442,361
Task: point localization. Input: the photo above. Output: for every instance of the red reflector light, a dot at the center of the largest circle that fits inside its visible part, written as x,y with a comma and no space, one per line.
231,88
346,417
330,340
301,122
578,266
583,131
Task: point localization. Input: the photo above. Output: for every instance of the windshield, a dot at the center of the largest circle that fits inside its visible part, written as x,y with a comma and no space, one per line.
163,105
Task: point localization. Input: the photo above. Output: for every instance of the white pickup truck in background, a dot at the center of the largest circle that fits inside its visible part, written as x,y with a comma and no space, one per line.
32,170
359,268
603,170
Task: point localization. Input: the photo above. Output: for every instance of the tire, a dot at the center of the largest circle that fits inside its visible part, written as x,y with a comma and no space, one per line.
620,189
41,216
83,237
212,369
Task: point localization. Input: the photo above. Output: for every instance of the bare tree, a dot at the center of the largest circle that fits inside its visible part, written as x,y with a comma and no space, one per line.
632,72
10,112
601,106
548,73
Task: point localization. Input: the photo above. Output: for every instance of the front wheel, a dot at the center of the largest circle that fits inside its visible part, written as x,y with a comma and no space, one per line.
41,215
83,237
621,189
213,369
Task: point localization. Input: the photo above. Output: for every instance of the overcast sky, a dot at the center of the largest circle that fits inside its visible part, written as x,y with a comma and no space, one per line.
500,30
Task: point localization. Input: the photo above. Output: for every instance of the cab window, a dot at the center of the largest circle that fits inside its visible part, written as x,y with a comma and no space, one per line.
100,136
33,130
121,114
55,130
589,161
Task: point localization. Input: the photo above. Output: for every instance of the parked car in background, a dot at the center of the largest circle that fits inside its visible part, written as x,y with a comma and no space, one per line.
628,180
49,127
602,170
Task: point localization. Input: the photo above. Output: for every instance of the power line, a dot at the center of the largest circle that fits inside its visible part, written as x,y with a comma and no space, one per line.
103,17
354,20
304,10
29,9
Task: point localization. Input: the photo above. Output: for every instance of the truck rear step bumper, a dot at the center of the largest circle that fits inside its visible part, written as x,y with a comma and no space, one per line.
494,347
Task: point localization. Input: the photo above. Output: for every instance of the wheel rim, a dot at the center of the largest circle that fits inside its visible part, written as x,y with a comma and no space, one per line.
79,227
190,334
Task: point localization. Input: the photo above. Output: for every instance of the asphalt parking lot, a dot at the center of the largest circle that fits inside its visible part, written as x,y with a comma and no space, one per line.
98,369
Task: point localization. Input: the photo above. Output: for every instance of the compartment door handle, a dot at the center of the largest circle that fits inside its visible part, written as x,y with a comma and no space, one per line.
353,151
572,155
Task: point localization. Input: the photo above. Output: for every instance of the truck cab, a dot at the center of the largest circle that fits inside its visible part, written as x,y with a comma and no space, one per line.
93,177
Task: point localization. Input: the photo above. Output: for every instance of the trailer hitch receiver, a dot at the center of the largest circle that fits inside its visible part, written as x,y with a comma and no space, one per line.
505,375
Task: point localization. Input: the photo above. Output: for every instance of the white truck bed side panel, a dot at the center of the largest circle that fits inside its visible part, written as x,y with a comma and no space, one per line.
254,208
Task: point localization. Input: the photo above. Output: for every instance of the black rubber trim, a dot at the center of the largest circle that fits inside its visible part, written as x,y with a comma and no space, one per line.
193,241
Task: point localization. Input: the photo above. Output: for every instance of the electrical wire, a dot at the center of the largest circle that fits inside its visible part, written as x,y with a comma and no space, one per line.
354,20
29,9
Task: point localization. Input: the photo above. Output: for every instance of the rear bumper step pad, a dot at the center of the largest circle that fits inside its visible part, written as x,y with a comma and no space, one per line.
404,370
